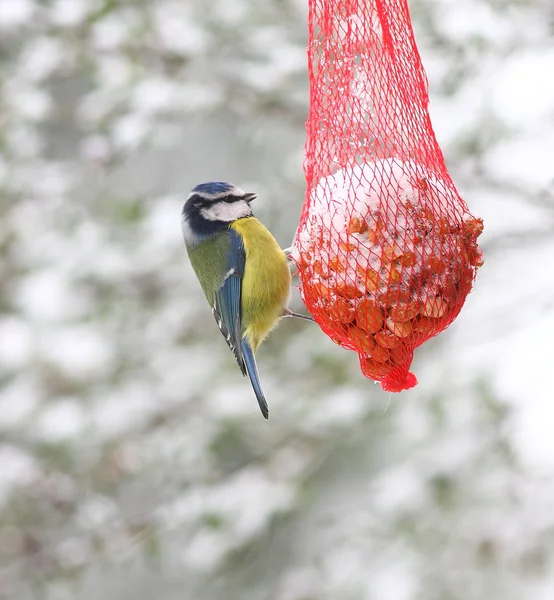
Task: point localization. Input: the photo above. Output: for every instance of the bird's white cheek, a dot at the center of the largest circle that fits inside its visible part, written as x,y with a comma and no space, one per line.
227,212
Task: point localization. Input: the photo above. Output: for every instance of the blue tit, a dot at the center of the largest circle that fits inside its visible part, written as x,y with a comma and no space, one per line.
241,268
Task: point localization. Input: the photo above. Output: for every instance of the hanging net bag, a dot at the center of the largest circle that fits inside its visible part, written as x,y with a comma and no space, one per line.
386,249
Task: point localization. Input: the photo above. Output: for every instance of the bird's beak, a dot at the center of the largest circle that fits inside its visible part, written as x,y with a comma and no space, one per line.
249,197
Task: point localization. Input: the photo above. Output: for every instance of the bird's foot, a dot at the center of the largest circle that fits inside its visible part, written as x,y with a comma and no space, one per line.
289,313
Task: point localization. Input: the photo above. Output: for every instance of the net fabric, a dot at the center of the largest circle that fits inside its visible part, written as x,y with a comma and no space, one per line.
386,248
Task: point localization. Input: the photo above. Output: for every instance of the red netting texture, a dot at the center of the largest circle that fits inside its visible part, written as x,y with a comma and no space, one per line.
386,248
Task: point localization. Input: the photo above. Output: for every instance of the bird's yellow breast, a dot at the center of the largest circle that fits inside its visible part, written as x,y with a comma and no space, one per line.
266,281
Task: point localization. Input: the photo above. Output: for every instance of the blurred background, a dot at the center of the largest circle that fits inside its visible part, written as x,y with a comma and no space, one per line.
134,462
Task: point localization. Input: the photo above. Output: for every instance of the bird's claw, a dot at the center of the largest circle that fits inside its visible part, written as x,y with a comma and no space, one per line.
289,313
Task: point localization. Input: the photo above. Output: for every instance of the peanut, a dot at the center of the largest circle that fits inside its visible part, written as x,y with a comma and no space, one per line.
404,311
400,330
372,369
361,340
425,325
386,339
369,316
434,308
356,225
348,290
341,310
336,265
372,281
474,227
380,354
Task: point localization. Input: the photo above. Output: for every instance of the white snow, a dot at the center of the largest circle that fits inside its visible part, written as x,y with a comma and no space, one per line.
114,30
42,57
16,342
15,13
526,160
176,30
46,296
523,90
68,13
18,403
80,351
61,421
18,469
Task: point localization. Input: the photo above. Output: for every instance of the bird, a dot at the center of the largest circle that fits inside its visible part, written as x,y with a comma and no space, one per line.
241,268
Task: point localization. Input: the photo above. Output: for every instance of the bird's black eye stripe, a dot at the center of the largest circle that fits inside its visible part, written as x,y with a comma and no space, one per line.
200,201
230,199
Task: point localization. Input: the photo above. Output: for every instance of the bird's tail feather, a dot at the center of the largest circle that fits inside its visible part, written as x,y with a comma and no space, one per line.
252,370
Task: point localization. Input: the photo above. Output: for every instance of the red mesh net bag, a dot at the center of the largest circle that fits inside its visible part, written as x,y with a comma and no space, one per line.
386,248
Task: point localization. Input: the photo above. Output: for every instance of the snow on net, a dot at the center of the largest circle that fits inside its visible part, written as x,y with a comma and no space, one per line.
386,248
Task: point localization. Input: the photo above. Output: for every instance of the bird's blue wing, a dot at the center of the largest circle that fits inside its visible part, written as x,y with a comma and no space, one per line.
227,311
227,304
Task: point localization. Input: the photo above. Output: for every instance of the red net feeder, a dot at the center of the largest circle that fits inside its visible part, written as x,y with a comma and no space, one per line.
386,249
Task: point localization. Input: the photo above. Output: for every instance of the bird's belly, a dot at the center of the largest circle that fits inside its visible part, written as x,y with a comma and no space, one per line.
266,281
265,293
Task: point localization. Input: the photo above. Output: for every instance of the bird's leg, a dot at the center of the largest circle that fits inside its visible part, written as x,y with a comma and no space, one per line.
289,313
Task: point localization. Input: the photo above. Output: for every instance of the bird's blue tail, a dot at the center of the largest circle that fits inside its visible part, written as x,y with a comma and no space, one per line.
252,370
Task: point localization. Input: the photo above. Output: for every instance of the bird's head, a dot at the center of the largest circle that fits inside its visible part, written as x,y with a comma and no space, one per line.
210,207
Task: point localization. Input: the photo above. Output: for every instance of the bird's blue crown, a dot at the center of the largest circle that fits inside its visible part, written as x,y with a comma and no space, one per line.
213,187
